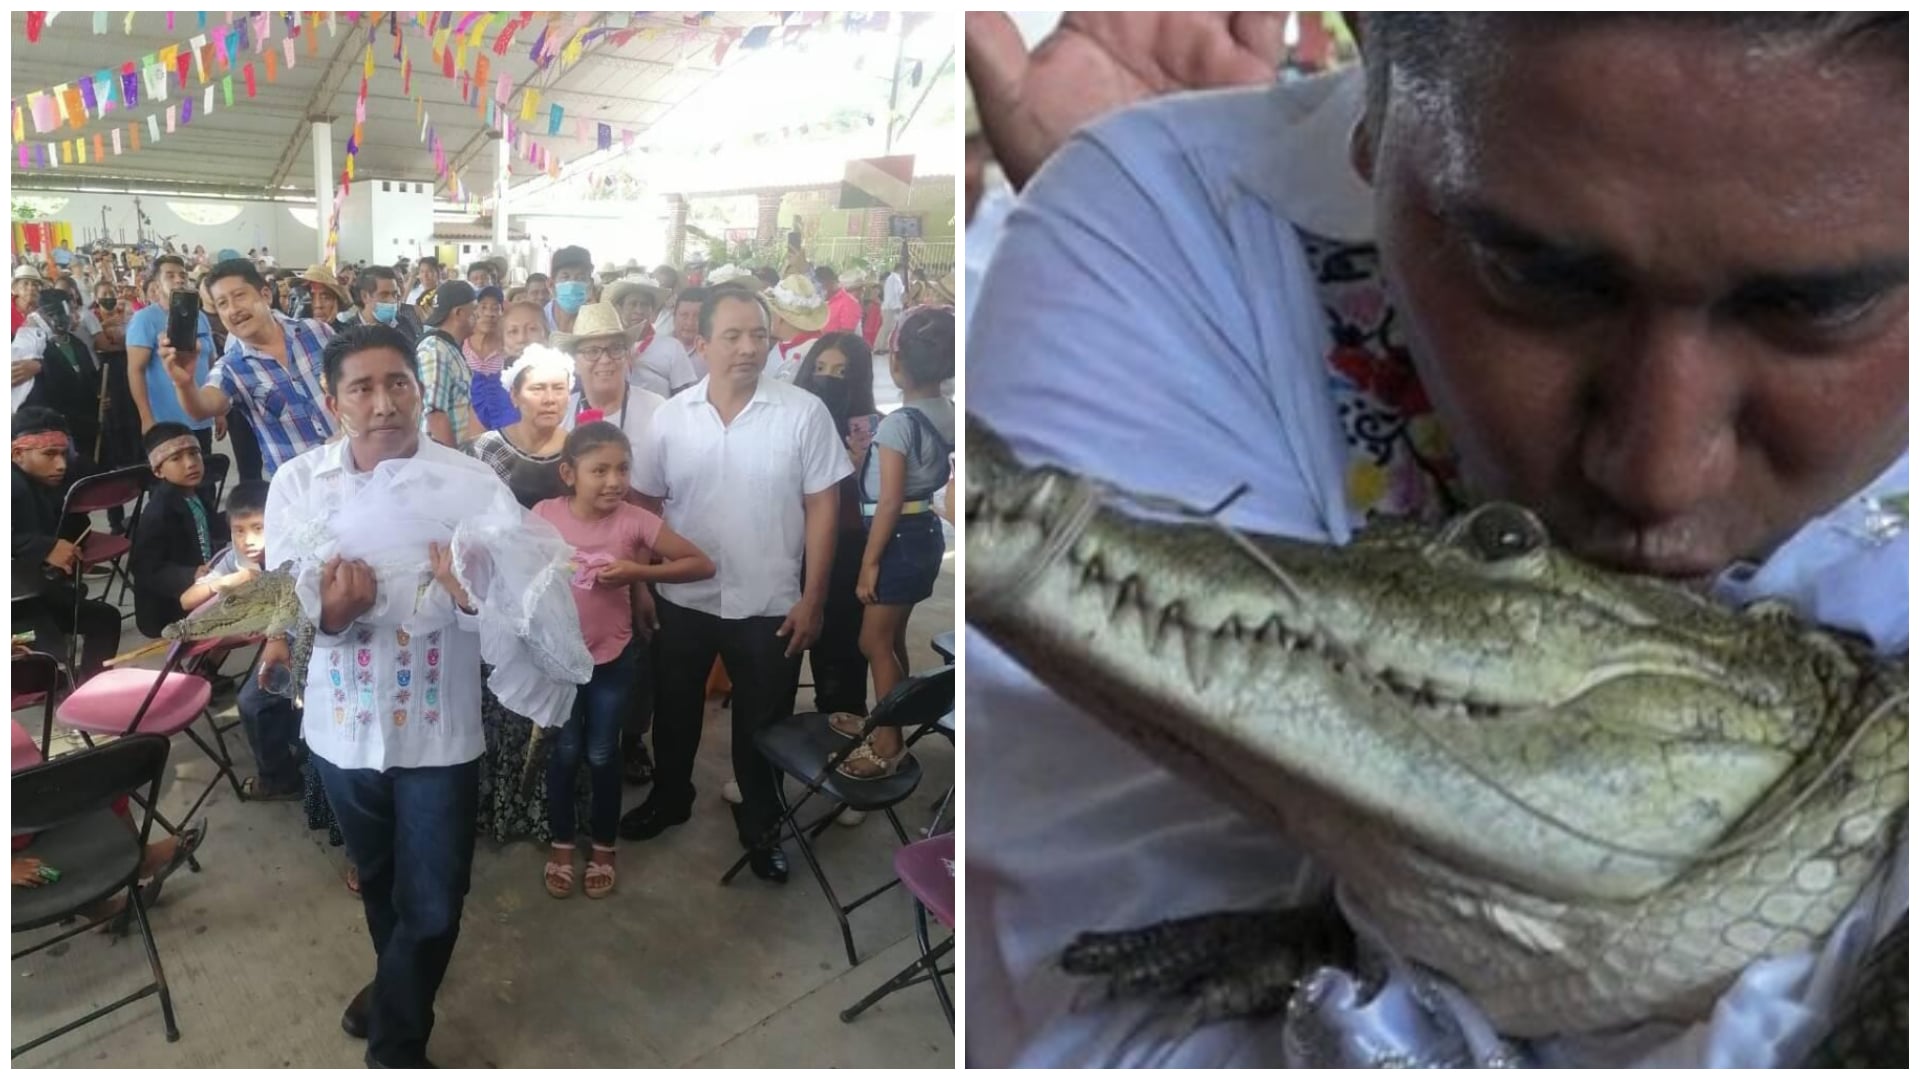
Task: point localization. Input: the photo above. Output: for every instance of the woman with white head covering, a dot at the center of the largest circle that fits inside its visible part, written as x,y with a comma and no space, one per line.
526,453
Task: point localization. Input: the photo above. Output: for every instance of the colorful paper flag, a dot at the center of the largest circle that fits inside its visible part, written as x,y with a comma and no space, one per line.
554,120
116,142
86,96
527,100
186,111
286,47
153,128
170,117
606,137
226,89
129,86
99,147
99,22
133,131
248,72
206,106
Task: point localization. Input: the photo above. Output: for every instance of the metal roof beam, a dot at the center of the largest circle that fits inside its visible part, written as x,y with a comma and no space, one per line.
323,94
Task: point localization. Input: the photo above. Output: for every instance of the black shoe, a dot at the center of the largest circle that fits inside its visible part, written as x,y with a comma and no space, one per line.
648,820
374,1063
354,1020
638,767
769,864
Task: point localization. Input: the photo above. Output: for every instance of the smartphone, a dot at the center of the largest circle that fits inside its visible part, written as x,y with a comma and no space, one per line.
183,319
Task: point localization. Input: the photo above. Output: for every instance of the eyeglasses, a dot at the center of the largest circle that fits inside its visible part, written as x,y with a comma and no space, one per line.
593,354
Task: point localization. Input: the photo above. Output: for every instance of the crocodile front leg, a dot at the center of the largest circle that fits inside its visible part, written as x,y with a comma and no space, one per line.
1227,966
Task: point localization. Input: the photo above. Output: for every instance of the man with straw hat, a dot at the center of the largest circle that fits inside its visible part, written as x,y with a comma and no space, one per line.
799,314
329,297
656,361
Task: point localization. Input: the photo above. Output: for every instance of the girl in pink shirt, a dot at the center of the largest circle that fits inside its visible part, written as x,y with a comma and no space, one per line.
615,544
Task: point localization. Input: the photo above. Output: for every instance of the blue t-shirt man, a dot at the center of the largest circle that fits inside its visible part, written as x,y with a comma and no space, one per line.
144,331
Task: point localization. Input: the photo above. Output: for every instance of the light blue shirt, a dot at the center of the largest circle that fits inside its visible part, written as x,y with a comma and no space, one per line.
1157,252
144,331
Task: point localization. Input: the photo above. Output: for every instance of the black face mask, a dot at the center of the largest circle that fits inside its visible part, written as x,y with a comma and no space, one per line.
107,303
832,391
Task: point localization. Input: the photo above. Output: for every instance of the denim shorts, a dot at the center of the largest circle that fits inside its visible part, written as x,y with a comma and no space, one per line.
911,563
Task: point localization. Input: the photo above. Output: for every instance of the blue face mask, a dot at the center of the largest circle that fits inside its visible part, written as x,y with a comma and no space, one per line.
570,295
386,313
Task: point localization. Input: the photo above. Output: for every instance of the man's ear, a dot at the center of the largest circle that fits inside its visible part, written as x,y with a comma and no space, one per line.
1361,145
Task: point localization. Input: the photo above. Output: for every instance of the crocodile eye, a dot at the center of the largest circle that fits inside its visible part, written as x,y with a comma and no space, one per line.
1499,533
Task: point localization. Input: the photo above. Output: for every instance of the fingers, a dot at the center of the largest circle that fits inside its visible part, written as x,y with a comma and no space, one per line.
997,63
330,573
1262,35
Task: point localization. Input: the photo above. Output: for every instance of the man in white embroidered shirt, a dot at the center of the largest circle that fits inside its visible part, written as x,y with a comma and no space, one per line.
392,696
751,466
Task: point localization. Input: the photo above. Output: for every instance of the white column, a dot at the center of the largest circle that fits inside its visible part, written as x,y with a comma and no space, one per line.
503,172
322,134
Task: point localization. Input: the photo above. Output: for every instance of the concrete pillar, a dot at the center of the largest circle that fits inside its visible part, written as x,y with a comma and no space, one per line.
502,174
322,185
677,230
768,228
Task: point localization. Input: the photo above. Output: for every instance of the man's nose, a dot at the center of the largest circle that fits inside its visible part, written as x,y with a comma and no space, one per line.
1662,433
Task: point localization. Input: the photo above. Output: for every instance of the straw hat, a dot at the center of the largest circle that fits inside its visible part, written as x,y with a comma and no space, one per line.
600,320
730,272
617,293
26,272
796,301
320,275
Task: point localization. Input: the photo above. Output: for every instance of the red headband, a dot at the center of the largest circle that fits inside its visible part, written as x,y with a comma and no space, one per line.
42,440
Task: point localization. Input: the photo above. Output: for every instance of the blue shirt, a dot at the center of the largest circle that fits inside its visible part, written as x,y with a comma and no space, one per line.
144,331
285,404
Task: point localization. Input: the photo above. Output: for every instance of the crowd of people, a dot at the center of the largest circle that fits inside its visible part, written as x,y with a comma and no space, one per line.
708,451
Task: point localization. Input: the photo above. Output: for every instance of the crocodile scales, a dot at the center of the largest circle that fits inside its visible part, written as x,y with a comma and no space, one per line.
1588,799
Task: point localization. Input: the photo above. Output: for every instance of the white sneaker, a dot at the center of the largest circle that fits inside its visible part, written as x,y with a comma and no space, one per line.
851,817
730,791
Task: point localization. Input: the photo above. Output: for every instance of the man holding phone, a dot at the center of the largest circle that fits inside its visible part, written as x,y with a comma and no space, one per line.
172,306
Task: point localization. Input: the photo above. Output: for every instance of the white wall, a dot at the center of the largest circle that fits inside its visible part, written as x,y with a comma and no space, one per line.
255,224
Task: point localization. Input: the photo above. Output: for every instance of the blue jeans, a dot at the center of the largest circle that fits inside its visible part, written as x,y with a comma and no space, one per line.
599,712
410,833
272,723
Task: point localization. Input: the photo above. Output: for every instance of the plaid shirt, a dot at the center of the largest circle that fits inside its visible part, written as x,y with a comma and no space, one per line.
447,385
285,404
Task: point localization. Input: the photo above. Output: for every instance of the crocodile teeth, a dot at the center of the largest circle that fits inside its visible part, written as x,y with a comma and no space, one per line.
1172,620
1130,594
1200,649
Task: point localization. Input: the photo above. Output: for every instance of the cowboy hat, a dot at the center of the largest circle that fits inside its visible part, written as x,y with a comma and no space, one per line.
320,275
617,293
796,301
730,272
600,320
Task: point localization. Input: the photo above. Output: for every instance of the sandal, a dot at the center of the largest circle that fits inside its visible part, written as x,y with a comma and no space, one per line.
253,790
600,876
353,879
560,874
848,725
187,843
864,764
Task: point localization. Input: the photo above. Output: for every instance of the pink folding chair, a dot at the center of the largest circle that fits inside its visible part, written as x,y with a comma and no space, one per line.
926,870
125,701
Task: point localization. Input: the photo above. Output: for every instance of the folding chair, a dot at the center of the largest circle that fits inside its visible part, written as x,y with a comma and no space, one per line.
806,747
38,680
123,701
926,869
66,805
121,487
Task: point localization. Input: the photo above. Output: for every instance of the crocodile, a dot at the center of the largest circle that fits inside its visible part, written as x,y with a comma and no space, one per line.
1588,799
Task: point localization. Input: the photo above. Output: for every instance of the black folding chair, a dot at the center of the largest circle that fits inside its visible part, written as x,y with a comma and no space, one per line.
806,747
121,487
38,680
66,805
218,467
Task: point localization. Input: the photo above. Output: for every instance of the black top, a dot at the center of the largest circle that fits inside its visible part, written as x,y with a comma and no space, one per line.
170,546
532,479
37,523
69,384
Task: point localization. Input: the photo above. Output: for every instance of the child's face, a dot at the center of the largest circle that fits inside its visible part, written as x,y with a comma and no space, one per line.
601,477
249,535
183,469
47,464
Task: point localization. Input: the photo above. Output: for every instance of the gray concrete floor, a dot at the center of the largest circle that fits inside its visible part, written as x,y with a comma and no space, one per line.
264,947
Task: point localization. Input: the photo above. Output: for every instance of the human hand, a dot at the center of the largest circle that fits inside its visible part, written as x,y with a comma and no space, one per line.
276,653
240,577
441,558
178,362
646,614
26,872
1096,62
64,556
220,427
24,370
802,626
619,574
346,593
867,589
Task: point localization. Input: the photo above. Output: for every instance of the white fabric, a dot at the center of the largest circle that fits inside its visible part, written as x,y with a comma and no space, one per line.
783,361
29,344
735,491
400,687
663,366
1188,200
636,419
663,322
893,294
